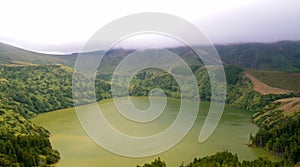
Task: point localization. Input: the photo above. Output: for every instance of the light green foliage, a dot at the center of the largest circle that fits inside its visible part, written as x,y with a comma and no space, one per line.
35,89
13,124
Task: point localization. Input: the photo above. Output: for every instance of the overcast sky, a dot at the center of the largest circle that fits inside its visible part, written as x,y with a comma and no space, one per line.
64,26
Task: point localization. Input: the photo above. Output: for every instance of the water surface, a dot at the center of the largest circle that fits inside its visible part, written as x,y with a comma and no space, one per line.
77,149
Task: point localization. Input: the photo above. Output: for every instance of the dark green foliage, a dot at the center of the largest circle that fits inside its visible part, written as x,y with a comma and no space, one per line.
279,56
278,133
26,150
23,143
224,159
232,74
156,163
7,161
218,159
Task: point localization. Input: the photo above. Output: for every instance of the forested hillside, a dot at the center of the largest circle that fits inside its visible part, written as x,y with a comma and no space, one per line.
278,133
279,56
23,143
34,89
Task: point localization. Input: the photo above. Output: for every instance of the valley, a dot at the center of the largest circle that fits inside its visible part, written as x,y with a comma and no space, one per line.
261,117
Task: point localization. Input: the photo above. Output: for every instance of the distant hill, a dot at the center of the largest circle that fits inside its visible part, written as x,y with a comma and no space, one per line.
13,55
279,56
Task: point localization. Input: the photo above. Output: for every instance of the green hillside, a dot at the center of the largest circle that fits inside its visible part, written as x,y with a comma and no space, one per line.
23,143
279,133
34,89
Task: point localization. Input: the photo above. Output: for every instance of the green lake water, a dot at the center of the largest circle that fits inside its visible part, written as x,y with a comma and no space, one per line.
77,149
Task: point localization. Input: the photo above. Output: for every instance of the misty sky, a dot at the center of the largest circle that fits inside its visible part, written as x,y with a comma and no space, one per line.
64,27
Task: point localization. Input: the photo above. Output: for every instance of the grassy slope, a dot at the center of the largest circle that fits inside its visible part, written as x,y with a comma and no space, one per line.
13,55
284,80
263,88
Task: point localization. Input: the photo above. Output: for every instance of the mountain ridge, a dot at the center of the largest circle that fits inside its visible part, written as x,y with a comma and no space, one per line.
277,56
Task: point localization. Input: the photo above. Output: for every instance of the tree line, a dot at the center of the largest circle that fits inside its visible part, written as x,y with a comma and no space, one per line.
222,159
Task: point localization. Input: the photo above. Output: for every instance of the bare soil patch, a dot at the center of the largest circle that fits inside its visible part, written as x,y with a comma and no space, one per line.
289,105
265,89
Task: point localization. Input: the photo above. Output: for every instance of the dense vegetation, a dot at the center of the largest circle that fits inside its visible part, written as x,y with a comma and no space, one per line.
156,163
279,56
27,151
23,143
35,89
222,159
30,90
278,133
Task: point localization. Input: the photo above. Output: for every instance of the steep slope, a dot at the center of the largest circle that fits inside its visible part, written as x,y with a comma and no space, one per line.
23,143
